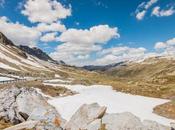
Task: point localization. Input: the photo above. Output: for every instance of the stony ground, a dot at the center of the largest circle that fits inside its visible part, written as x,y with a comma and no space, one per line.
166,110
134,86
4,124
46,89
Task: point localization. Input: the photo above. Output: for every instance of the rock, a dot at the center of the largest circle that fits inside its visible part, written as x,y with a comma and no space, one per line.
123,121
152,125
24,125
23,104
172,126
8,105
85,115
95,125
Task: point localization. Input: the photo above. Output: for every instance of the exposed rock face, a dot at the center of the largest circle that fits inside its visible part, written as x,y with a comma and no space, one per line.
95,125
8,43
85,115
25,125
4,40
36,52
151,125
20,104
123,121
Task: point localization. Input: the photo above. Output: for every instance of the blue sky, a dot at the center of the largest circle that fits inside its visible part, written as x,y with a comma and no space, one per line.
133,29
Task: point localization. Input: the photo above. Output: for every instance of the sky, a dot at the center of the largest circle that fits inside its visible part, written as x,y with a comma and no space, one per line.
92,32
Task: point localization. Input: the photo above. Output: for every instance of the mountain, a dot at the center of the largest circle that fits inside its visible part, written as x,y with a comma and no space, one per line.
36,52
154,76
4,40
149,68
103,68
22,59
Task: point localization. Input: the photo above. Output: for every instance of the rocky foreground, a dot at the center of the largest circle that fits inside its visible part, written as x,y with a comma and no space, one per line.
26,109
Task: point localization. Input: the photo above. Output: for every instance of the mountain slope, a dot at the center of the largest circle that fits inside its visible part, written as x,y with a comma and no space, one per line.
154,76
36,52
14,59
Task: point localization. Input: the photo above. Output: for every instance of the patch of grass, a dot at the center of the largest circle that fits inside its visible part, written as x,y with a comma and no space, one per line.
4,124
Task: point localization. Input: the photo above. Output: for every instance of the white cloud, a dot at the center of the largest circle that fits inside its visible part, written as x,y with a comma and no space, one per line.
140,15
171,42
142,9
49,37
118,54
167,47
80,44
44,27
96,34
45,11
19,33
160,45
150,3
160,13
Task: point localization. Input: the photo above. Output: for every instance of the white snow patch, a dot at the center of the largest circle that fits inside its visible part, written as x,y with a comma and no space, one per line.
44,95
5,78
57,76
116,102
4,66
56,81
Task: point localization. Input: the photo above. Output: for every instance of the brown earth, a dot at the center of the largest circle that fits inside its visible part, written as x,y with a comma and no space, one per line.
166,110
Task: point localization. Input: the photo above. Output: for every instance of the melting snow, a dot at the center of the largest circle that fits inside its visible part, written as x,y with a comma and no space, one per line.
4,66
116,102
56,81
5,78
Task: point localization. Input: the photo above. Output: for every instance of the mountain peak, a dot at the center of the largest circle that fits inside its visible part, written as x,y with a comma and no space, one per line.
36,52
4,40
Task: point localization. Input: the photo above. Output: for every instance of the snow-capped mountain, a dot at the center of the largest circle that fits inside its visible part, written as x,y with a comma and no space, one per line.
23,59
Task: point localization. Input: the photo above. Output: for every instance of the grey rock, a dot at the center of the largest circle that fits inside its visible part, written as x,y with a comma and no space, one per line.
24,125
23,104
123,121
172,125
95,125
85,115
152,125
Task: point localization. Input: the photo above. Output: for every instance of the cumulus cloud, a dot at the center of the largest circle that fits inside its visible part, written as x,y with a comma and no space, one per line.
45,11
56,26
49,37
96,34
140,15
80,44
142,9
167,47
160,13
19,33
118,54
160,45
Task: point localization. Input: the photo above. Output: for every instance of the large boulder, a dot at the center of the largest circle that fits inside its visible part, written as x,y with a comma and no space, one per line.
152,125
172,125
95,125
85,115
24,104
24,125
122,121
